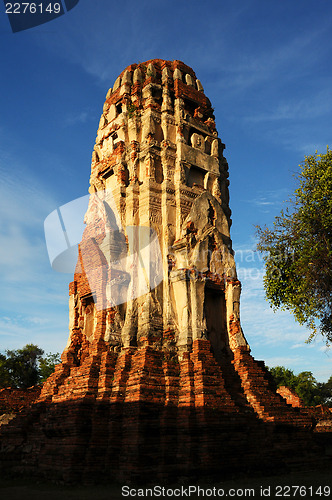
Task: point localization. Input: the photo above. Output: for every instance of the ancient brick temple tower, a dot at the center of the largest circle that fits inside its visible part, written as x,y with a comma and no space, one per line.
159,192
157,379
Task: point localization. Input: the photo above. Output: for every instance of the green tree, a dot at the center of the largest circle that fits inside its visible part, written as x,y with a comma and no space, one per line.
307,389
283,376
325,392
298,249
304,384
22,366
47,365
4,374
26,367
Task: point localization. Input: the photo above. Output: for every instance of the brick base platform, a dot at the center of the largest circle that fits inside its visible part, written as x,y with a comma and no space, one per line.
136,416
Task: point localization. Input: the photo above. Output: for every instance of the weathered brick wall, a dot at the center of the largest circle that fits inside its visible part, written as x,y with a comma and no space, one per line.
256,383
321,415
13,400
91,370
137,414
291,397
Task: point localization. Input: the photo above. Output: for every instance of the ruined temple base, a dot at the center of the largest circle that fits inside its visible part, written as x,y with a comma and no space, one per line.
137,417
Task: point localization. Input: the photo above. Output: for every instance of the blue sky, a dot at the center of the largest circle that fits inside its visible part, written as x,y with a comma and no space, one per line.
265,66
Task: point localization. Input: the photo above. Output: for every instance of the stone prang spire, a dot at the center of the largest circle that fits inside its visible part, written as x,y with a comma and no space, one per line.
157,383
156,252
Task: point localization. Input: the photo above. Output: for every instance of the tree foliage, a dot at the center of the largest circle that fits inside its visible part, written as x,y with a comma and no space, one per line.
298,249
4,373
325,391
47,365
26,367
304,385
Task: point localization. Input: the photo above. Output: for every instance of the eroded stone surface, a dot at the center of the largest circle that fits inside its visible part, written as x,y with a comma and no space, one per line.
158,163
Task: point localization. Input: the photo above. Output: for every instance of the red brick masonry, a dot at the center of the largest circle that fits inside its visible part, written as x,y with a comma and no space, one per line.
291,397
136,414
14,400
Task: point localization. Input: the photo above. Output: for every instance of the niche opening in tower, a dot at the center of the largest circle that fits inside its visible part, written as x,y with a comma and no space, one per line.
196,177
190,106
118,108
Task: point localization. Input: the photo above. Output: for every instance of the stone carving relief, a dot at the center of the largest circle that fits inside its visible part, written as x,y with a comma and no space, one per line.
197,141
202,259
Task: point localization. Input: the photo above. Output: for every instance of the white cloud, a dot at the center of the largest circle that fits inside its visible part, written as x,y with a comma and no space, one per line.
296,109
74,119
301,346
50,331
273,198
284,361
255,68
300,136
23,207
326,350
33,297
